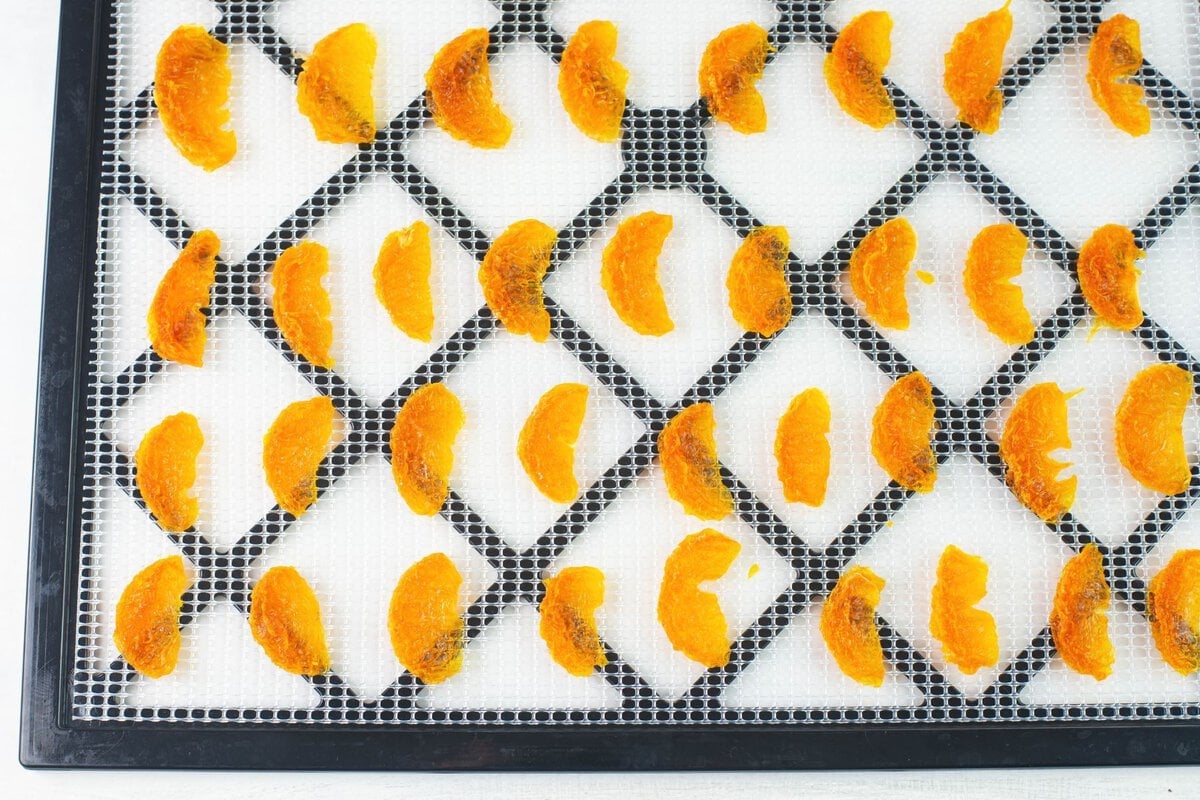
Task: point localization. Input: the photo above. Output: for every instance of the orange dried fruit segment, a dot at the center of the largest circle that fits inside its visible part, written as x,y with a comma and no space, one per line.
993,260
902,433
729,69
285,619
422,445
878,268
568,621
1079,619
854,68
511,275
1037,427
848,625
293,449
191,90
967,634
301,305
974,65
402,280
691,618
1108,277
1115,56
459,91
334,87
166,470
424,623
1149,428
687,450
759,296
176,318
546,446
802,448
591,82
147,630
1173,608
629,273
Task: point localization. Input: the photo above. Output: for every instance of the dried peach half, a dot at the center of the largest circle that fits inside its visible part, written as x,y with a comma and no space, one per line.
402,280
293,449
334,87
285,619
759,296
568,623
629,273
1108,277
854,68
458,88
147,630
176,318
729,69
974,65
191,90
546,446
687,450
1173,608
1149,428
1079,619
424,623
166,470
993,260
878,269
511,275
802,448
692,618
591,82
967,634
1115,56
902,433
848,625
422,444
1037,427
301,305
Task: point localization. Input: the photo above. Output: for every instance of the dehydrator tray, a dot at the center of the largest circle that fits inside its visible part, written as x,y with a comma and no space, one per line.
123,201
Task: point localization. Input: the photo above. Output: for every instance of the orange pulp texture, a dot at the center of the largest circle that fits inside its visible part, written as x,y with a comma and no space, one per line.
1079,619
166,470
1115,56
878,268
1037,427
424,624
687,450
422,443
511,275
285,619
546,445
848,625
301,305
147,630
1173,607
854,68
191,90
402,280
176,318
902,433
691,618
568,622
968,634
629,273
759,296
802,448
1149,428
334,87
974,65
293,449
1108,277
729,69
993,260
591,82
459,92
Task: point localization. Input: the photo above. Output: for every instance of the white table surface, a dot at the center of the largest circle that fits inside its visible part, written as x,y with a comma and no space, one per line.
26,95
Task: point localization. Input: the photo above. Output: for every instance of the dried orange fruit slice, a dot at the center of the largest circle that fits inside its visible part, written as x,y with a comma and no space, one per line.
301,305
802,448
1115,56
591,82
176,318
759,296
729,69
285,619
848,625
902,433
402,280
424,624
422,444
1079,619
166,470
147,630
459,92
691,618
854,68
974,65
511,275
568,621
993,260
334,87
878,268
688,452
629,273
191,90
546,445
1149,428
1173,608
1108,277
293,449
1037,427
968,634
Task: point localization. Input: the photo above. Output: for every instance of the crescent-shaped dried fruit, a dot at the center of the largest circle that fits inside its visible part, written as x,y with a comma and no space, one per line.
1173,608
1079,619
759,296
974,65
285,619
176,318
301,306
1115,56
848,625
967,634
629,273
591,82
166,470
293,449
334,87
1036,428
1108,277
878,269
424,623
402,280
546,446
902,433
854,69
729,69
1149,428
802,448
458,88
568,621
692,618
687,450
147,630
422,444
993,260
511,275
191,90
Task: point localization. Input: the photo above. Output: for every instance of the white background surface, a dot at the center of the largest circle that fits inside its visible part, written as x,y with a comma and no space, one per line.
26,95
